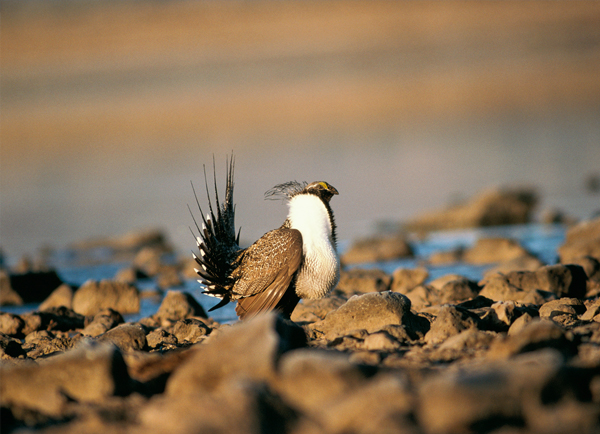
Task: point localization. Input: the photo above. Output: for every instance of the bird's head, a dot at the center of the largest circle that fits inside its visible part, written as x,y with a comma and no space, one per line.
322,189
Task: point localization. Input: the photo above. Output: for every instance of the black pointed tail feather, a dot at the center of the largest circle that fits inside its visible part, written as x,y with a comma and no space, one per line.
216,239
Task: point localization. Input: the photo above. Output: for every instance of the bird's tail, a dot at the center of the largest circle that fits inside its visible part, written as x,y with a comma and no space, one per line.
217,241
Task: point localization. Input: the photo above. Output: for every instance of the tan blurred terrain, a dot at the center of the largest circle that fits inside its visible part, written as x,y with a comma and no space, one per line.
114,70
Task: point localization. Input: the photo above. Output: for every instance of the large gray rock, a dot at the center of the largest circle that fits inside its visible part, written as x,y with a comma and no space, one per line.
87,374
94,296
248,350
370,311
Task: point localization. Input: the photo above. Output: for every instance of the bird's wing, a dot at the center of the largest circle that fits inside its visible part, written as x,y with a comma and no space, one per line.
267,270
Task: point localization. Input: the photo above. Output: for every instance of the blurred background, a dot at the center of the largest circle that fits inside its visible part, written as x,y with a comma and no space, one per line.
110,108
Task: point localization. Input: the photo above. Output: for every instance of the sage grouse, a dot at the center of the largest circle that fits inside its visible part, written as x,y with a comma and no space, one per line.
297,260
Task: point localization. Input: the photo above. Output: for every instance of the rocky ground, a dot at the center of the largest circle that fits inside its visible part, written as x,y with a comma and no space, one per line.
516,352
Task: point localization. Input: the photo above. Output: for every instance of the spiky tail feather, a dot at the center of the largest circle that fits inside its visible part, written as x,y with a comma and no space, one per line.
217,241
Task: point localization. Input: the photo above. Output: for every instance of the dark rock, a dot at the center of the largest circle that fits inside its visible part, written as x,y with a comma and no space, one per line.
127,337
94,296
370,311
360,281
189,331
56,318
179,305
11,325
493,250
450,321
31,287
102,322
249,350
315,310
377,249
581,240
476,303
406,279
8,296
9,348
490,208
61,296
87,374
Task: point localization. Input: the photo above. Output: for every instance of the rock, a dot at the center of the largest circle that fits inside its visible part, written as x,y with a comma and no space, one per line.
315,310
239,407
534,335
560,280
127,243
103,321
485,398
370,311
189,331
179,305
457,290
61,296
572,306
423,296
161,338
581,240
493,250
406,279
360,281
519,324
11,325
168,277
446,257
88,374
502,315
56,318
490,208
94,296
380,341
31,287
312,379
130,275
44,343
450,321
377,249
592,311
382,405
149,261
522,263
9,348
127,337
248,350
8,296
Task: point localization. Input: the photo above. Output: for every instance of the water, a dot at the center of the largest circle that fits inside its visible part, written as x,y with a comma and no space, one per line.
540,240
